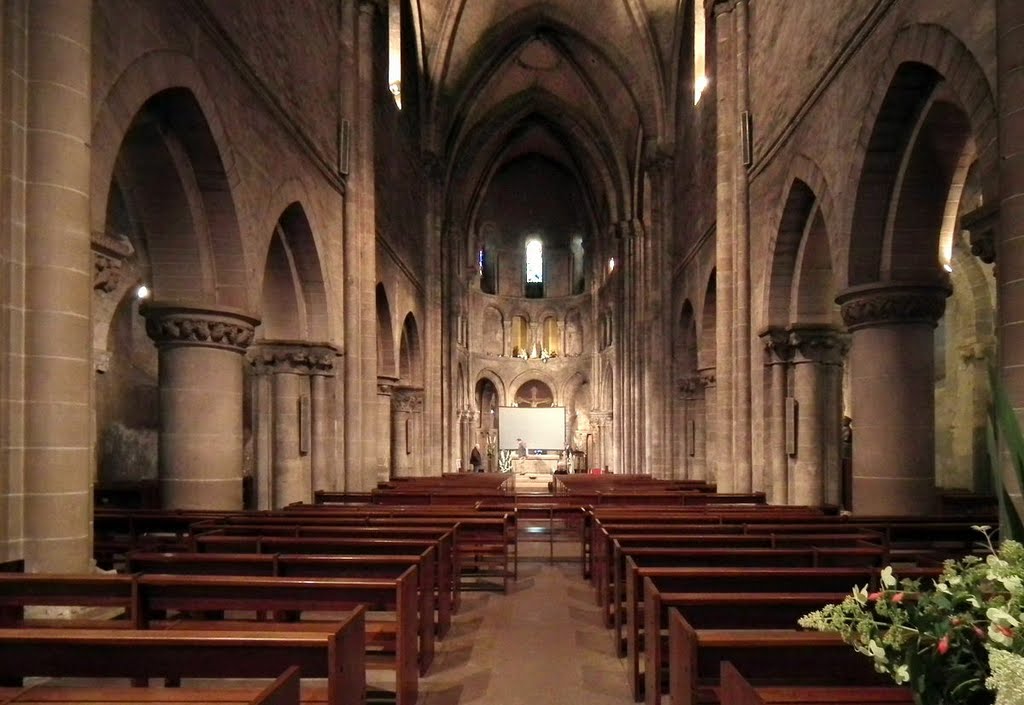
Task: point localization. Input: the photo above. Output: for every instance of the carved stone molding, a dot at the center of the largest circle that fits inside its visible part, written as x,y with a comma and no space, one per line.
410,400
818,344
108,255
293,357
976,350
707,377
778,347
982,224
173,325
386,385
722,7
689,385
889,303
600,418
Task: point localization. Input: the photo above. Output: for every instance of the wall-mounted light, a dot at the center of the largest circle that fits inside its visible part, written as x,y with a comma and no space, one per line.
948,267
142,292
611,264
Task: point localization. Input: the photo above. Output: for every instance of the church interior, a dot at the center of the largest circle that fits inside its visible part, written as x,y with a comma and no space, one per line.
695,261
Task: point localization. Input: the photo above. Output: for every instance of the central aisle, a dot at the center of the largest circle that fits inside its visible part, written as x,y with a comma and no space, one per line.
542,644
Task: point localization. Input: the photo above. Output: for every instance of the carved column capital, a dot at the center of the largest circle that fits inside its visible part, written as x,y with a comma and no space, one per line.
371,7
176,325
707,377
688,385
409,399
982,224
293,357
818,344
778,347
600,418
887,303
109,253
386,385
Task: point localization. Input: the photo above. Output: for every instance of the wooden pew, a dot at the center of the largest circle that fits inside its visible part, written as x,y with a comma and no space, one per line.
767,656
446,569
18,590
744,610
734,579
284,690
307,566
336,654
390,644
737,690
627,587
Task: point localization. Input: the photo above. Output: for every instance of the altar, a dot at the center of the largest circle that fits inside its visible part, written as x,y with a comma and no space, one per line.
535,464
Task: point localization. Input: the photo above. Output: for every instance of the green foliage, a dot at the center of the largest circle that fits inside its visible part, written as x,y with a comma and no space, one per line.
938,640
1003,422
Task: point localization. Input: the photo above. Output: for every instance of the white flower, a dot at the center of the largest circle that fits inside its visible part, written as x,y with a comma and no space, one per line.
901,674
1001,617
1007,677
887,579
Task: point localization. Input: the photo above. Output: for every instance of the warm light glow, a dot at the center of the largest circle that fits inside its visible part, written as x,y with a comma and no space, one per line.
948,267
142,292
395,51
611,264
698,88
700,79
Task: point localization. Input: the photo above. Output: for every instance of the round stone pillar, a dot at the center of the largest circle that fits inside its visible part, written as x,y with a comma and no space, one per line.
815,351
892,381
712,437
778,354
406,402
51,434
321,373
200,380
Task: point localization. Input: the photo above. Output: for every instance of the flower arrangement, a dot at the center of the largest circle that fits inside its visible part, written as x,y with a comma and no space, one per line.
959,643
505,461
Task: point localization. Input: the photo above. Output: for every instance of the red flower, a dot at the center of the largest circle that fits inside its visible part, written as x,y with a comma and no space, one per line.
898,597
943,646
1005,630
980,632
875,596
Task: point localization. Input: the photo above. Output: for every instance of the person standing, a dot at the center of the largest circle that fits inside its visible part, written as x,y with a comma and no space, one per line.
476,460
521,449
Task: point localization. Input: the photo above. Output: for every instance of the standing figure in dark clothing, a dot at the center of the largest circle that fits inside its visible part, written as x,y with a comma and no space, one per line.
476,460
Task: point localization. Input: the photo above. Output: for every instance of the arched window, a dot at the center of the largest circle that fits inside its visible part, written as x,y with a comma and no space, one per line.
534,268
520,336
552,337
395,51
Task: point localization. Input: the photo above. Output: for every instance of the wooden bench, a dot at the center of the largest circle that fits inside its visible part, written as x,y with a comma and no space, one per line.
307,566
626,591
768,656
743,610
390,644
284,690
733,579
107,592
337,655
446,569
737,690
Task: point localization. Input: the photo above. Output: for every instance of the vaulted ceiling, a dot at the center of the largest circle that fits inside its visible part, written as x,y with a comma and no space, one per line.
585,83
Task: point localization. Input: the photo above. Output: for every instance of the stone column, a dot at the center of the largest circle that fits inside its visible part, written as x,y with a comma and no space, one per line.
385,388
724,86
687,459
322,458
712,426
1010,240
299,418
200,378
893,388
778,353
51,434
815,350
360,263
601,421
405,402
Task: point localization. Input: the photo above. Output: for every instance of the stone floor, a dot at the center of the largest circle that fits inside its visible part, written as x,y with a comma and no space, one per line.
540,644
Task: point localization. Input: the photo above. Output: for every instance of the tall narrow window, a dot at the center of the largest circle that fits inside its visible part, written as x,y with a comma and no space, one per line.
395,51
534,269
700,77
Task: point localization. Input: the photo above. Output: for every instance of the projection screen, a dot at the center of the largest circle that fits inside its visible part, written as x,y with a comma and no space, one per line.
542,429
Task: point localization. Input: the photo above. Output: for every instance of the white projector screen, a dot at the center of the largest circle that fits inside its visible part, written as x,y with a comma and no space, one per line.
541,429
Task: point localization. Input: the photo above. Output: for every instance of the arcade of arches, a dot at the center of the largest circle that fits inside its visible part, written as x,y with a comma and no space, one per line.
313,244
